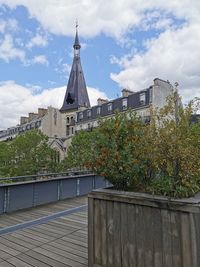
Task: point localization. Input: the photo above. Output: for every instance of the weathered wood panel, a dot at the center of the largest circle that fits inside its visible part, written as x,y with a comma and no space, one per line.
128,232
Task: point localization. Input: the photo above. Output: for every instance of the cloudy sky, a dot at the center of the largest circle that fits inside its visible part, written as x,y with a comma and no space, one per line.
125,43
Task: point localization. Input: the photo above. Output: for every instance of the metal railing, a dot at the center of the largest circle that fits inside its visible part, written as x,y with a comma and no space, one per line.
34,190
42,176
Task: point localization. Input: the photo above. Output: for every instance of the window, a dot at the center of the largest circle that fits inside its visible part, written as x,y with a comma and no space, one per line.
72,130
89,113
67,130
80,116
124,103
109,107
142,98
98,110
67,119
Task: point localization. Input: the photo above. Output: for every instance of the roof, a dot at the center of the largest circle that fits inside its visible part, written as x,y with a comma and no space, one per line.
76,94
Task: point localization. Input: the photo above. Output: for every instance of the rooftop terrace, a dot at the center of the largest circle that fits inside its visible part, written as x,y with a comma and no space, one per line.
49,235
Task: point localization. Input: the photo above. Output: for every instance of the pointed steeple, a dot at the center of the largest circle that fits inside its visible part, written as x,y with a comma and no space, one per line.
76,95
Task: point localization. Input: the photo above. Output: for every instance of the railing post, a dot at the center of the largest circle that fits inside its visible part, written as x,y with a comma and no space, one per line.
77,186
93,182
59,189
6,199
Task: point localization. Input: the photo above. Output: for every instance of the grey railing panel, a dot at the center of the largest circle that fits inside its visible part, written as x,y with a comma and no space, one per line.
27,192
2,195
85,185
99,182
19,197
45,192
68,188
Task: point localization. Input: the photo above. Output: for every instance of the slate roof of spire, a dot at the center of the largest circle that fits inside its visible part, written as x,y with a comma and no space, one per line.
76,94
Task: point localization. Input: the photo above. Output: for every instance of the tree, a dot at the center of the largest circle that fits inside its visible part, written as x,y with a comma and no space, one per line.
161,157
80,152
28,154
176,149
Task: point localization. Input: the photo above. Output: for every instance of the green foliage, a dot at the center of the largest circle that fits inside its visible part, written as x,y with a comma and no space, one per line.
28,154
80,152
161,157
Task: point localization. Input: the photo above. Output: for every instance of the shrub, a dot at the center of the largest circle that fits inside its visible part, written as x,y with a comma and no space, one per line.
161,157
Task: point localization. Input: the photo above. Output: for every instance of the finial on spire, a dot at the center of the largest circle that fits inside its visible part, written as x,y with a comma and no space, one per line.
76,45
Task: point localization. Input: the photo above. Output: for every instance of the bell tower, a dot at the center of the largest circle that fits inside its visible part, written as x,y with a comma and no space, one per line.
76,95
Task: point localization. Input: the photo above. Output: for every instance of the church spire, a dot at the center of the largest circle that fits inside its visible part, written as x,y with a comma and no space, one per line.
76,95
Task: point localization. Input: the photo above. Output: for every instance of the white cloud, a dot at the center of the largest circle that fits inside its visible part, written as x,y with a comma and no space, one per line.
8,25
37,40
8,51
2,26
40,59
174,55
17,100
112,17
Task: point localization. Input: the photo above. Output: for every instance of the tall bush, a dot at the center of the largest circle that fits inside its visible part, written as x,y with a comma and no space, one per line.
161,157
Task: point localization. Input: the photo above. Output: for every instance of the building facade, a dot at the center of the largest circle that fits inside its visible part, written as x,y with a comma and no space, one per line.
76,113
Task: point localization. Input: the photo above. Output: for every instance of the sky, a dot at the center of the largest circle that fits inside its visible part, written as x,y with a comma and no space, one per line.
125,44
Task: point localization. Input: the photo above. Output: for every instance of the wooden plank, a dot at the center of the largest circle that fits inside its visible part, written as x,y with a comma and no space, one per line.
97,232
148,236
19,241
125,242
72,245
157,238
18,263
196,222
71,256
59,258
194,242
167,238
110,233
34,262
6,264
103,212
117,235
45,259
131,230
12,245
68,248
140,236
176,239
186,241
4,255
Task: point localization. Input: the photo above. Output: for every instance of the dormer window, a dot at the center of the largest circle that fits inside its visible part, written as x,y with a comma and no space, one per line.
142,98
98,110
80,116
124,103
89,113
109,107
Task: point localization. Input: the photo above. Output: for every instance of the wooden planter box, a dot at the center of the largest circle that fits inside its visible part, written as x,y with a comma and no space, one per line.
135,229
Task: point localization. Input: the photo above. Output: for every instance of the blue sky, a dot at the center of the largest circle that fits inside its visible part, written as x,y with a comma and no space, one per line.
124,44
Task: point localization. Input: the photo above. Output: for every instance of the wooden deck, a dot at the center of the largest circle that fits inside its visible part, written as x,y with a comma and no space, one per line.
58,240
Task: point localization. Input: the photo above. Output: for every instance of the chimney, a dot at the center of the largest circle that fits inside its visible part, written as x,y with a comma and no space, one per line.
32,116
101,101
41,112
126,92
23,120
